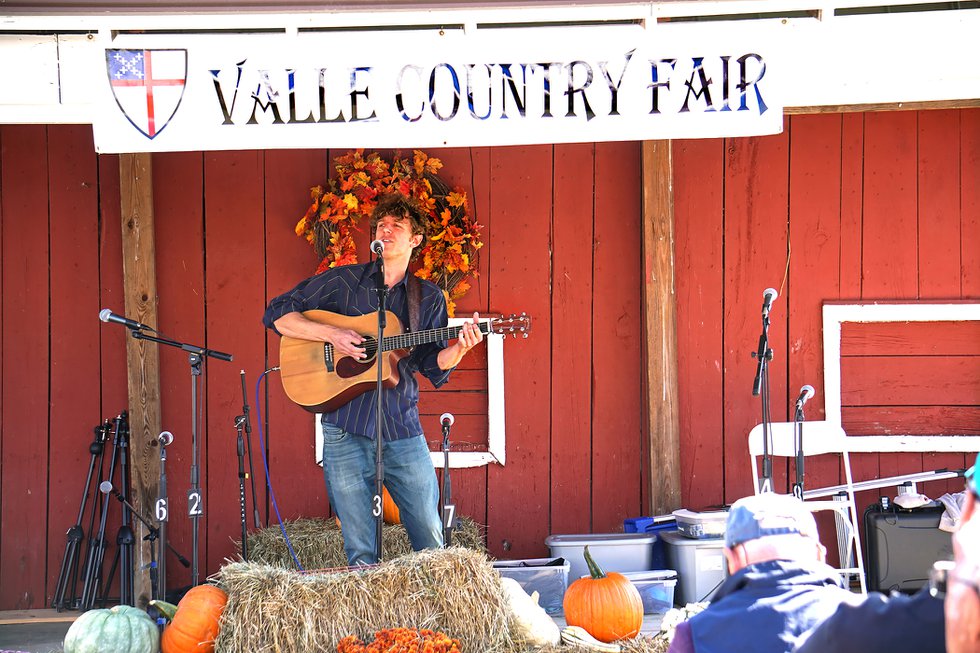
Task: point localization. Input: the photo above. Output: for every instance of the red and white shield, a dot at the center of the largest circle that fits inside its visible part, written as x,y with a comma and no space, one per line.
148,85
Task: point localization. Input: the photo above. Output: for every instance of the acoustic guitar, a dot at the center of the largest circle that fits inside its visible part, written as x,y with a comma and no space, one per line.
319,381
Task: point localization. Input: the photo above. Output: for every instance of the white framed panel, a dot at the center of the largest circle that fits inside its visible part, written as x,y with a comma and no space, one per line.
834,315
496,439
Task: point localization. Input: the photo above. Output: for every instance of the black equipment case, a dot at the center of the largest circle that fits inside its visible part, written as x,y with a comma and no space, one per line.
902,545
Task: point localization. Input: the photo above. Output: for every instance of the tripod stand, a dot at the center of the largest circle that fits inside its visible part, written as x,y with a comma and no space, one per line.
68,576
96,549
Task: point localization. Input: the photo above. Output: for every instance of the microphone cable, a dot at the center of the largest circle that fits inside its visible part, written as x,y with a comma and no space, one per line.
265,465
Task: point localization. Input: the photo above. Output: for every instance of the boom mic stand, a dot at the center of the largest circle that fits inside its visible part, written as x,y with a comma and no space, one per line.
448,508
158,587
378,502
195,502
163,512
761,385
68,576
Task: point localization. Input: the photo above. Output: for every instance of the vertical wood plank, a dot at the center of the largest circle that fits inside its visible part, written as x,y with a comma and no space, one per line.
298,480
74,408
814,224
617,333
571,304
699,227
179,204
939,240
517,513
26,387
660,318
890,242
233,236
756,213
142,357
970,202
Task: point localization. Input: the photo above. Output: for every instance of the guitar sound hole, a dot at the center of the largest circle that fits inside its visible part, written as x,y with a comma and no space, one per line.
348,367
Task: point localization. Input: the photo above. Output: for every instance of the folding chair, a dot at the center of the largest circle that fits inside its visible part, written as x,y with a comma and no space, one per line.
819,438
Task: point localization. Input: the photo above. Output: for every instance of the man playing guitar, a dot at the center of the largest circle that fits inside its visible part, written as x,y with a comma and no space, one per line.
349,429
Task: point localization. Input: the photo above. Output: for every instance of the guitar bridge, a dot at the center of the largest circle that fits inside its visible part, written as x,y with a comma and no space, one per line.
328,356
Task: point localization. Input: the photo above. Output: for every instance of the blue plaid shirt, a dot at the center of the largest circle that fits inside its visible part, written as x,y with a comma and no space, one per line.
351,290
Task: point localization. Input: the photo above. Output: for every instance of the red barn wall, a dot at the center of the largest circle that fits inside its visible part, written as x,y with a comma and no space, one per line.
838,207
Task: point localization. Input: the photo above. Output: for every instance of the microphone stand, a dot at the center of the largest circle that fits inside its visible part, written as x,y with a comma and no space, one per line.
798,446
153,536
448,508
239,425
761,385
195,503
162,515
248,438
379,478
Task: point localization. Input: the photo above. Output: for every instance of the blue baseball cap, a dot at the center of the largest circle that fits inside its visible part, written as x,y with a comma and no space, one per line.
767,514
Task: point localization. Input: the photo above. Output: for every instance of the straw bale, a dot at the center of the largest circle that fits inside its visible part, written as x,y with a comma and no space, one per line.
454,590
318,543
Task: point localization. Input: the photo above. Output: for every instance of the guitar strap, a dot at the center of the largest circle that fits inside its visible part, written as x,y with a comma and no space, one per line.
414,301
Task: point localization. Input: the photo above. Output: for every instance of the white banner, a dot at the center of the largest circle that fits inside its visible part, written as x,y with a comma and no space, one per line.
430,89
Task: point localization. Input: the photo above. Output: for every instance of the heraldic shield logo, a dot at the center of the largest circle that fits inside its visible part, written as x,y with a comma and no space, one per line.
148,85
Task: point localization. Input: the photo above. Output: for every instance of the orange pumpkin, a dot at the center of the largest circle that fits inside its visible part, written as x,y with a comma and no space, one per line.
389,510
606,605
194,627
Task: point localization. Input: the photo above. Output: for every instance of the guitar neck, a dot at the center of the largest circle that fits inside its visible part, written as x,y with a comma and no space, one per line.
414,338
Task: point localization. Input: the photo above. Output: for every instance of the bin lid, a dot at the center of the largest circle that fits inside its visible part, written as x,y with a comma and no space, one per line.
605,539
653,574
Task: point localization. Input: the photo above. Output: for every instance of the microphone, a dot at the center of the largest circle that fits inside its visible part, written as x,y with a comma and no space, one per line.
806,394
447,420
768,296
105,487
377,247
108,316
165,438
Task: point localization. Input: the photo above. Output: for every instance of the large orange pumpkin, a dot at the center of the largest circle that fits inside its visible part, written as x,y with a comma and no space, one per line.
389,510
606,605
194,627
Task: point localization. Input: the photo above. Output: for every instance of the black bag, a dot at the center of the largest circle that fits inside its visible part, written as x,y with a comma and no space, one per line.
902,545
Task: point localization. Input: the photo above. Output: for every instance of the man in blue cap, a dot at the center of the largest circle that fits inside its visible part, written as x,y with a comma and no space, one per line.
778,588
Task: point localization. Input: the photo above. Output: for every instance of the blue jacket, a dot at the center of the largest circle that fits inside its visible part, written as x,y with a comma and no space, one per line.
890,624
765,607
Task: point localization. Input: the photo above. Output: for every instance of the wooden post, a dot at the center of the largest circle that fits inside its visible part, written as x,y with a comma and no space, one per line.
660,320
142,357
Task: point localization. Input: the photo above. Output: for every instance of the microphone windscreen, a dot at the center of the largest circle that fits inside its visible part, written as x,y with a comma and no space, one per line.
105,487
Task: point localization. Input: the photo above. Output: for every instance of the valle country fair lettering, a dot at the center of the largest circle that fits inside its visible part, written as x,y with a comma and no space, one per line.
487,91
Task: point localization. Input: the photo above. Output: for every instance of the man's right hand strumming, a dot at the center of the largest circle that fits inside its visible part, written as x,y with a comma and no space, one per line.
346,342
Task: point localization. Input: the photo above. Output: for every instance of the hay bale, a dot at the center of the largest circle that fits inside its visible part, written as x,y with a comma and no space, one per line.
319,544
455,591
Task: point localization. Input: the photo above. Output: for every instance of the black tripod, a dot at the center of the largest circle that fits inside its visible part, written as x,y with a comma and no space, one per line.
96,549
125,537
68,576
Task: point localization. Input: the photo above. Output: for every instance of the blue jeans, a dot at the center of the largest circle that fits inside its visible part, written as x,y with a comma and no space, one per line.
349,471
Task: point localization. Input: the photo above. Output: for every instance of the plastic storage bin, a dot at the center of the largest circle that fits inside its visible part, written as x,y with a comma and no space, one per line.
546,576
656,588
655,525
611,551
701,525
700,566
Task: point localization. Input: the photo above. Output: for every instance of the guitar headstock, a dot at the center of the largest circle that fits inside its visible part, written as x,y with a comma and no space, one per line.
513,325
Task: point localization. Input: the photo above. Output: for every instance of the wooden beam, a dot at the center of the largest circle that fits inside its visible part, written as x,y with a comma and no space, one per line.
142,356
660,323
